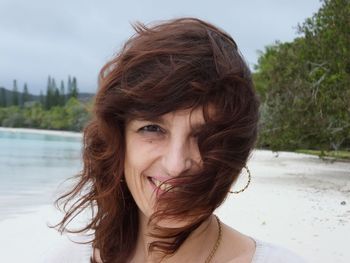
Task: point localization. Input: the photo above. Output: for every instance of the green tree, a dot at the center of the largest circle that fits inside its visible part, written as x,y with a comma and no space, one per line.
73,88
55,93
13,117
3,102
62,94
55,118
34,115
77,114
15,93
52,93
42,98
304,85
327,50
25,94
49,93
69,87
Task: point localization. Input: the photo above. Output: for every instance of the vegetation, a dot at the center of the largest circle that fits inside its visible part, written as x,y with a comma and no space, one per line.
328,154
56,110
304,85
72,116
304,88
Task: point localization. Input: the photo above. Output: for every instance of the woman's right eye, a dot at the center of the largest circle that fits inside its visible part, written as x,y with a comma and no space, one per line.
151,128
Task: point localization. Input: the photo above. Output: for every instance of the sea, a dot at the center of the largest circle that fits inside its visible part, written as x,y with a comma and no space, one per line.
35,168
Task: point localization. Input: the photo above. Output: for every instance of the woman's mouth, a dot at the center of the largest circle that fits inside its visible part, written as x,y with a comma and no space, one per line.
160,185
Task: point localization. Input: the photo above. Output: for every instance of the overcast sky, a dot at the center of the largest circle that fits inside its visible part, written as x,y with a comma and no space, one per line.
60,38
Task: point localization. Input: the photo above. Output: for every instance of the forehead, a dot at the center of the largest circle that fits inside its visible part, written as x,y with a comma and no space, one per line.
200,116
192,116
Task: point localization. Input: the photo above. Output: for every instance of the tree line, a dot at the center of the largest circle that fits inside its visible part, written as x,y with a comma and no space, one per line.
54,96
304,85
304,88
58,109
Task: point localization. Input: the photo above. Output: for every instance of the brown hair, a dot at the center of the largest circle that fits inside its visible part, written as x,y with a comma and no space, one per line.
179,64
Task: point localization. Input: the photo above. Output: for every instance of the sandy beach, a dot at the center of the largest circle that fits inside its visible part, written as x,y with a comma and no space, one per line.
295,200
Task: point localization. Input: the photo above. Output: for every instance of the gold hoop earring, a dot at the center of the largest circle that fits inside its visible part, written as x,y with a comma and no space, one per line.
246,186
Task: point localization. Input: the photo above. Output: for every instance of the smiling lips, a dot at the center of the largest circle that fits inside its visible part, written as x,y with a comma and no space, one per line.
160,185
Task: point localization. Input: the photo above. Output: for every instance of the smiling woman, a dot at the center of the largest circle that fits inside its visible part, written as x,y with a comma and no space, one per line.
157,152
175,121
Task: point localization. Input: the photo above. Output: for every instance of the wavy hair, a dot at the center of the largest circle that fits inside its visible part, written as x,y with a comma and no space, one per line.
178,64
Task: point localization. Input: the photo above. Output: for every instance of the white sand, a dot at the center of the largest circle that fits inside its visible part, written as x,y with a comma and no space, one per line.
294,200
28,238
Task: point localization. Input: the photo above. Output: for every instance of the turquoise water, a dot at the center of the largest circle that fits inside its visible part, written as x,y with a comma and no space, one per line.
32,166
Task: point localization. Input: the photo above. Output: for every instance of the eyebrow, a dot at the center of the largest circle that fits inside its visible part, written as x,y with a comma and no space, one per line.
162,121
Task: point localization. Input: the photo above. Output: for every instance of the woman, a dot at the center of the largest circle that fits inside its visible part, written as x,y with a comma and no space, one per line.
175,120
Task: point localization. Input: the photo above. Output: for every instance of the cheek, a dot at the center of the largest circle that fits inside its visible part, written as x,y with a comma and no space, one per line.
132,166
196,156
139,157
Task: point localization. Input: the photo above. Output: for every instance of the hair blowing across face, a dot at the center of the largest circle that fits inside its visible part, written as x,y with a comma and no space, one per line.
178,64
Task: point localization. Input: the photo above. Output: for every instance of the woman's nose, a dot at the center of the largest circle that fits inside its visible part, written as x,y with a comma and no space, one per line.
177,158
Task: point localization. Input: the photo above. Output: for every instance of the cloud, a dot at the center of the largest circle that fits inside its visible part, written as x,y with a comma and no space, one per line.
77,37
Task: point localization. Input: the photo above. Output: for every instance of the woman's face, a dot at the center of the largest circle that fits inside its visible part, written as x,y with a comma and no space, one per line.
157,150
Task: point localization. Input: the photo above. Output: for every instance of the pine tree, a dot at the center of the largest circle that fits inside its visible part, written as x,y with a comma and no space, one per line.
25,95
15,93
42,98
69,87
63,95
2,97
74,93
55,93
56,97
49,93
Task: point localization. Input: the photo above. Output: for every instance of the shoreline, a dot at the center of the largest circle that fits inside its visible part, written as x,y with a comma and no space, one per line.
42,131
297,201
80,134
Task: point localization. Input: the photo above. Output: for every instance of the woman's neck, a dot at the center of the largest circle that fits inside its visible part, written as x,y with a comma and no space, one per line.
201,239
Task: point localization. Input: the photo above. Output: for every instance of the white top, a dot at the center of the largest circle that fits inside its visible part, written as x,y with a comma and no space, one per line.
264,253
269,253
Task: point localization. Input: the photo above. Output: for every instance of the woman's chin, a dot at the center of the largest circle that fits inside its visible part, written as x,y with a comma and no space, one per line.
173,223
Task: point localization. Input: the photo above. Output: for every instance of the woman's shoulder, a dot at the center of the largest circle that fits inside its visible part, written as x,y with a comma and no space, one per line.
269,253
238,247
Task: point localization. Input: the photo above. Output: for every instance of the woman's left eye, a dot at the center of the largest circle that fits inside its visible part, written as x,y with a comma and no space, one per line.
151,128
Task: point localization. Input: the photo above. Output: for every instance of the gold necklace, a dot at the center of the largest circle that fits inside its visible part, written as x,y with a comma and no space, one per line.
217,243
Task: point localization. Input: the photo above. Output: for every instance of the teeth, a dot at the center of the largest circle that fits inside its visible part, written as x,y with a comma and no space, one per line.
156,182
162,186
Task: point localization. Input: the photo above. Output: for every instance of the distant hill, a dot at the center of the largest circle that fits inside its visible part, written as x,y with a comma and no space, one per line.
84,96
8,94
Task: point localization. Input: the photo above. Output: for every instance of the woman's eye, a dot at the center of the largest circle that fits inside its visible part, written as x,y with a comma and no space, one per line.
151,128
